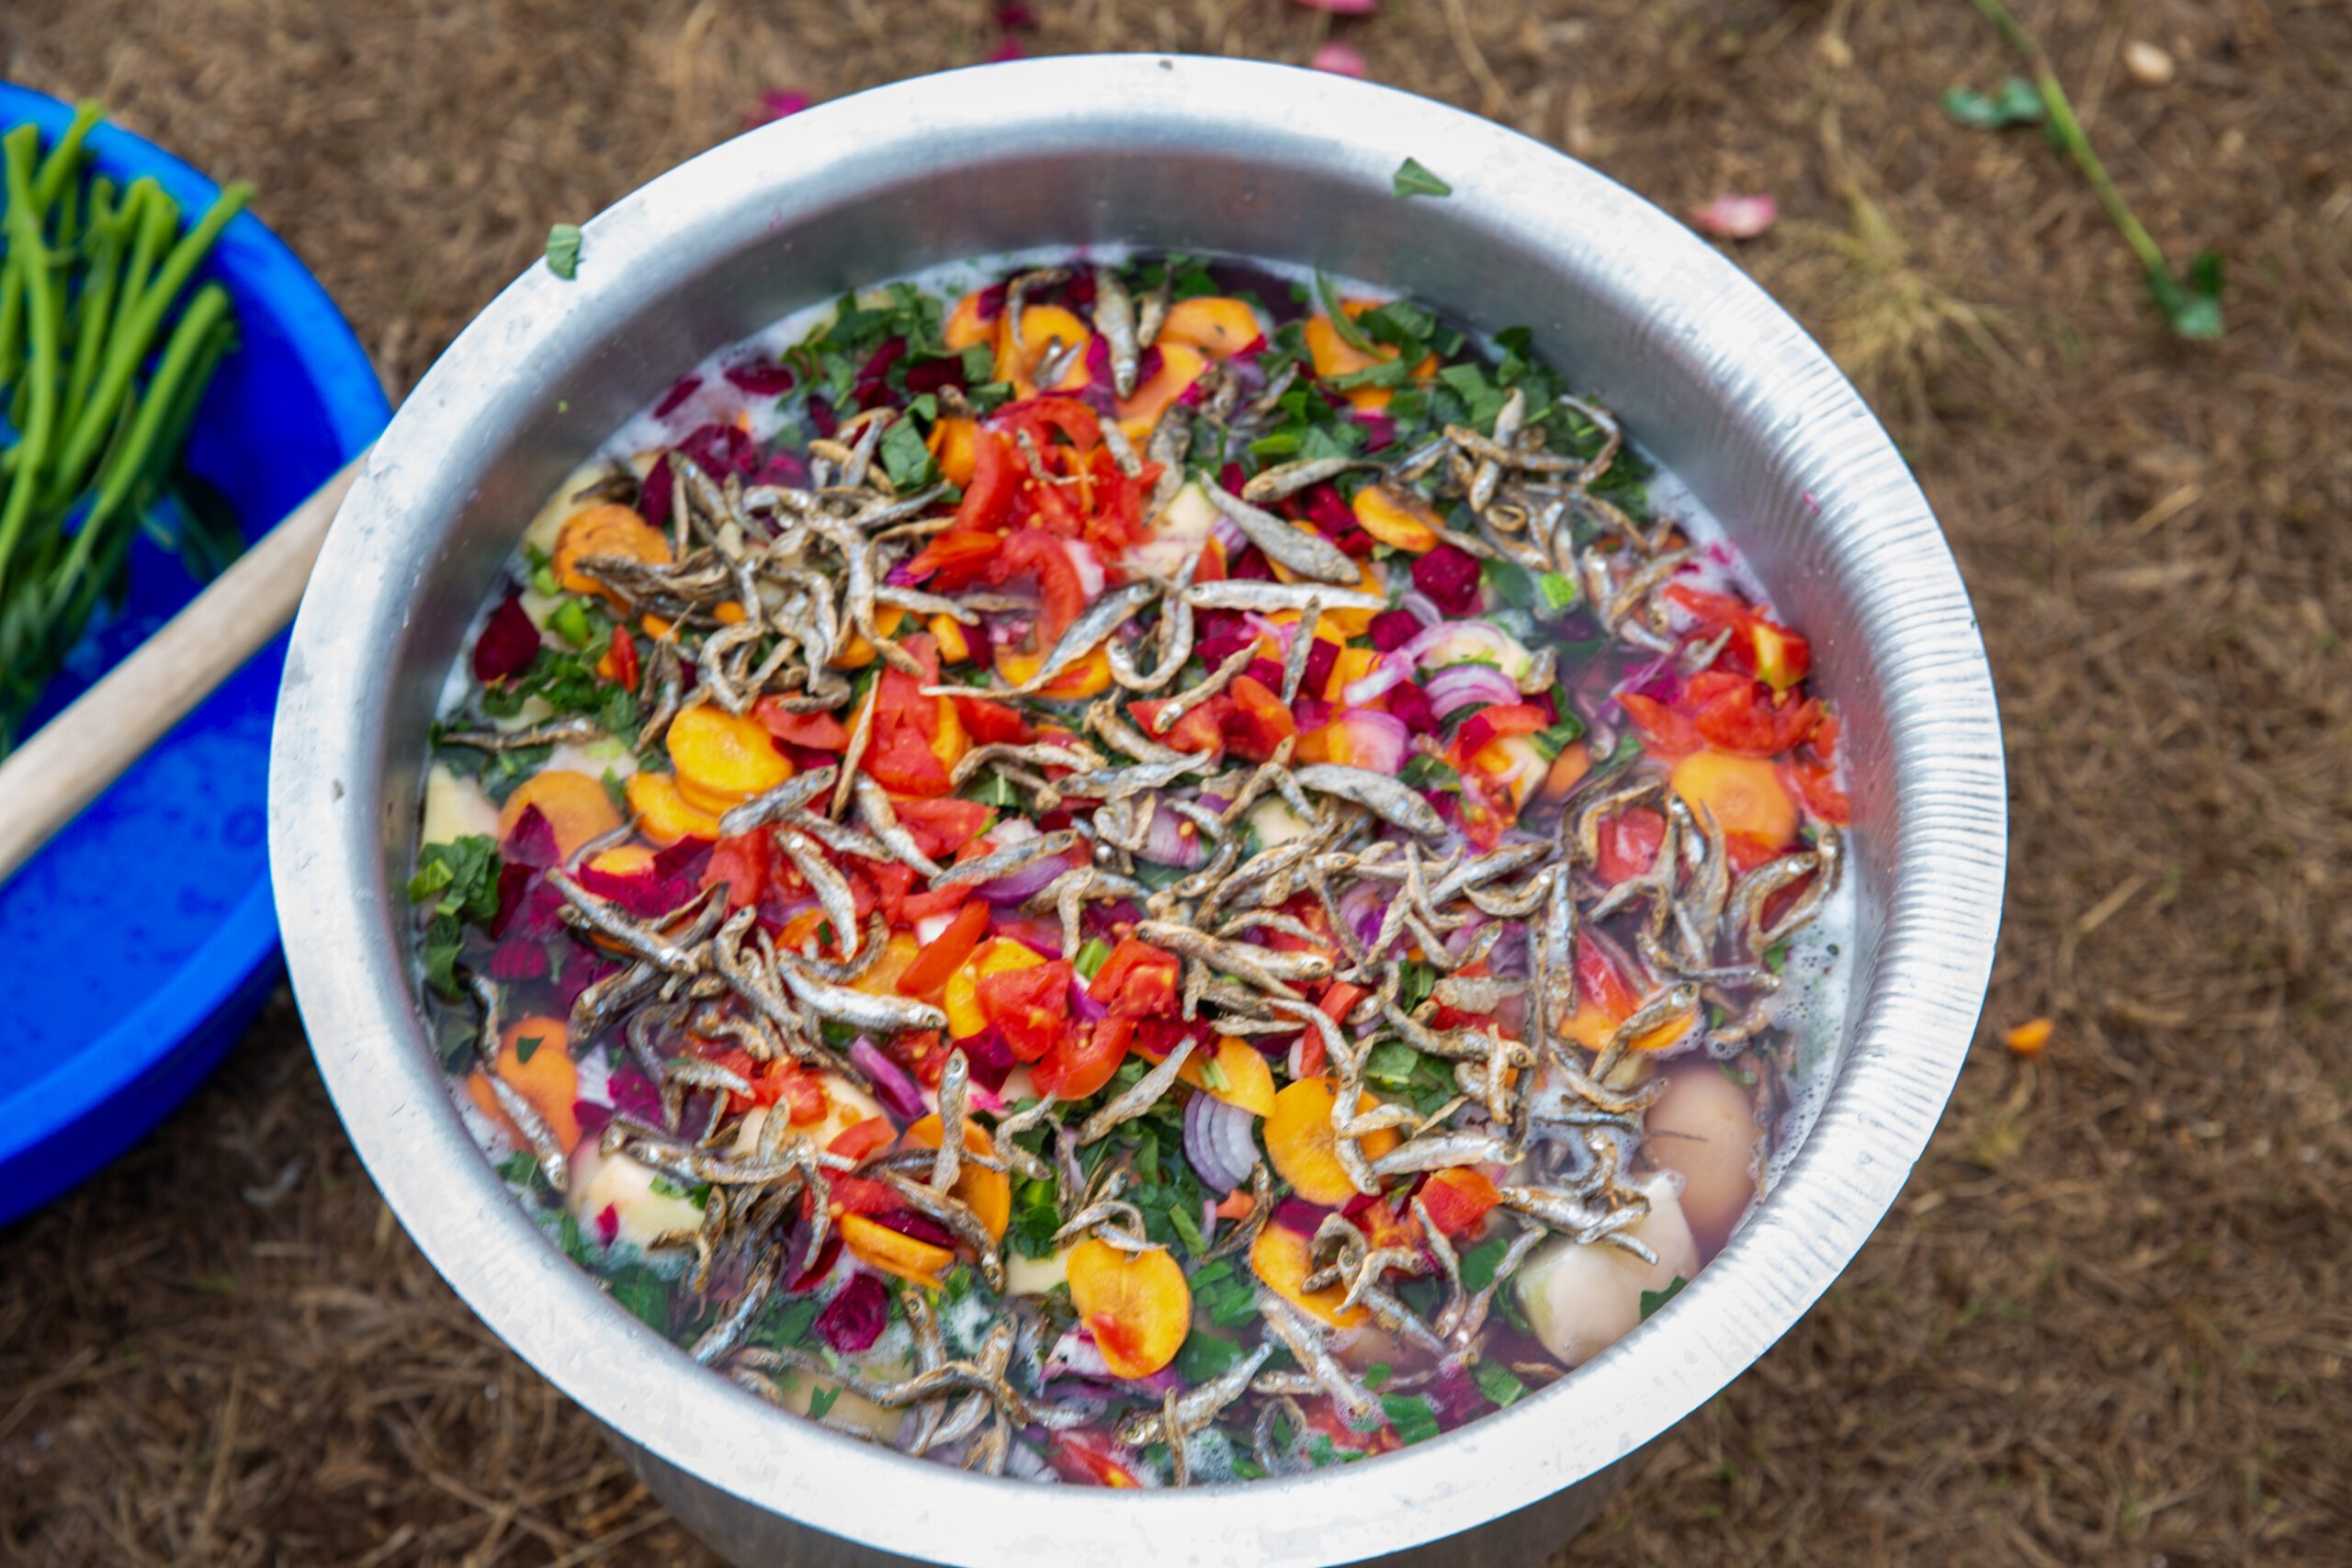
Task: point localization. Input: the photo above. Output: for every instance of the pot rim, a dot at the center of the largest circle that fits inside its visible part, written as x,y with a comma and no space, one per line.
345,924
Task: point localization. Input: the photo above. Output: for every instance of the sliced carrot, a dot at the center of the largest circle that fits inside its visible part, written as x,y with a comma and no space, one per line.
948,741
1567,771
623,860
575,805
723,756
1303,1146
1217,325
988,1193
951,447
857,653
1280,1257
607,530
966,325
1040,325
1238,1204
1743,793
1135,1303
897,955
663,815
1352,665
1243,1076
954,642
878,1246
961,999
1179,366
1087,679
1394,519
547,1078
1458,1198
1334,356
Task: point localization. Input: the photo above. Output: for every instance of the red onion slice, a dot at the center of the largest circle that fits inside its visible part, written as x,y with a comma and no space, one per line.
892,1086
1459,687
1220,1141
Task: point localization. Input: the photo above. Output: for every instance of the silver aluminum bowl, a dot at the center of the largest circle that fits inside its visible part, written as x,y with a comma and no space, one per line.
1192,154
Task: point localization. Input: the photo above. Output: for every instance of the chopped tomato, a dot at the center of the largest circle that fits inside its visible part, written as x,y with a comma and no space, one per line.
863,1138
1489,725
996,474
1779,657
858,1195
942,827
1138,980
1458,1198
901,755
1080,1458
741,862
1815,784
935,901
1030,1008
989,723
1042,418
1629,841
1083,1059
1738,713
1035,553
619,663
1599,979
1201,728
927,976
818,731
1255,722
1664,731
957,558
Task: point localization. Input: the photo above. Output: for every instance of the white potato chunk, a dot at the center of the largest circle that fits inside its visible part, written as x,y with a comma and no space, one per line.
456,808
1582,1299
616,1181
1177,535
848,1105
1026,1276
1705,1128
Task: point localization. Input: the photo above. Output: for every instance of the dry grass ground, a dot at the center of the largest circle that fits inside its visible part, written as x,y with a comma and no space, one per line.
2107,1324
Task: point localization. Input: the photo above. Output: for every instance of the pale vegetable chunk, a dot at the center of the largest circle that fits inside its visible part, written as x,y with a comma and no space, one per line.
1704,1129
615,1183
1582,1299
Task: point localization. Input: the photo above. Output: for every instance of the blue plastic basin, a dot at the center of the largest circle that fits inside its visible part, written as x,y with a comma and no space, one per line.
137,945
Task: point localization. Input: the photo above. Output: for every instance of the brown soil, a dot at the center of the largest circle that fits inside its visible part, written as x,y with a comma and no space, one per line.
2107,1324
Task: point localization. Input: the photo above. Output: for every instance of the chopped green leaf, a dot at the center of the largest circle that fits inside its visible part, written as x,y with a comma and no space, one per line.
2193,304
1377,1375
2014,102
1556,594
1776,957
527,1046
1391,1063
518,1169
1551,741
821,1401
1412,179
643,1292
1188,1228
1499,1383
1411,1416
563,250
1479,1263
1092,957
1342,325
1653,1299
1204,1355
1425,771
905,458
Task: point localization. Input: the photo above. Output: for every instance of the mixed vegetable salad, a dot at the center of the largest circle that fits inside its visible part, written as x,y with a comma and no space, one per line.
1152,873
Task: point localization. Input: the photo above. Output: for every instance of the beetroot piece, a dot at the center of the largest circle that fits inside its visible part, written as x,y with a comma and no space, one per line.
592,1118
989,1059
608,1225
719,450
1327,514
656,494
532,842
873,386
1356,545
822,418
1450,578
906,1222
583,968
854,1319
1249,566
685,387
519,958
1381,428
1312,713
776,104
508,642
760,379
1266,672
934,375
1223,634
1392,629
635,1096
1410,705
1319,660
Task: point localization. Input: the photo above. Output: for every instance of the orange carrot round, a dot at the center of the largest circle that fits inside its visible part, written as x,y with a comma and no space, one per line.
664,815
1304,1146
545,1077
1136,1305
607,530
575,805
988,1193
1743,793
1243,1078
1216,324
1279,1258
724,757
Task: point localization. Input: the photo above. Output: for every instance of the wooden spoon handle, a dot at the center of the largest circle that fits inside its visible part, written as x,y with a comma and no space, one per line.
63,765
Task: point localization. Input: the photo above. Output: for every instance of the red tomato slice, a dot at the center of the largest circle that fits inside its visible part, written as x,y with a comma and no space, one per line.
1083,1059
1138,980
1629,841
1030,1008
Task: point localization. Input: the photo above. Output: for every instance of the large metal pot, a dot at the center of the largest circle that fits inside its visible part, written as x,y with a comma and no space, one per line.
1177,153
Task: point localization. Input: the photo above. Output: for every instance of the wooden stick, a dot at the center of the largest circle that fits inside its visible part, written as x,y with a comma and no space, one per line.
66,762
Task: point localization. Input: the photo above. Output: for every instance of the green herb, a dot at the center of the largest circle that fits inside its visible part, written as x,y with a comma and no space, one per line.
2190,302
1556,594
1391,1063
1090,957
821,1401
663,1187
569,620
1653,1299
1416,980
979,364
1188,1228
1555,738
459,881
574,1243
1426,771
784,1327
1034,1218
1411,1416
643,1292
1387,373
1512,582
563,250
1499,1384
2015,102
1412,179
1229,1301
518,1169
1204,1355
1479,1262
1247,1470
1776,957
543,582
905,458
528,1047
1375,1376
1342,325
1481,399
1737,1075
1322,1452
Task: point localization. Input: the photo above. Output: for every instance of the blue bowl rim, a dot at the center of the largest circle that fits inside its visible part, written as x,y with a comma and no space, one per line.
353,400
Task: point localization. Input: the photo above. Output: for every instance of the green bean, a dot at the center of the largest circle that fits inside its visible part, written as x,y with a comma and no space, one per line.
43,316
65,157
144,314
126,464
95,311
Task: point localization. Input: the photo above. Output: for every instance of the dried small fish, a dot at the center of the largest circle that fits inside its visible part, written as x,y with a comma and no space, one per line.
1285,480
1114,318
561,732
881,819
1383,796
1134,1102
1004,863
1287,543
790,795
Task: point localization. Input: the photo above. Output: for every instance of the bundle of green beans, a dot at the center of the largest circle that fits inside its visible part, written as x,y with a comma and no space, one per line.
104,357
